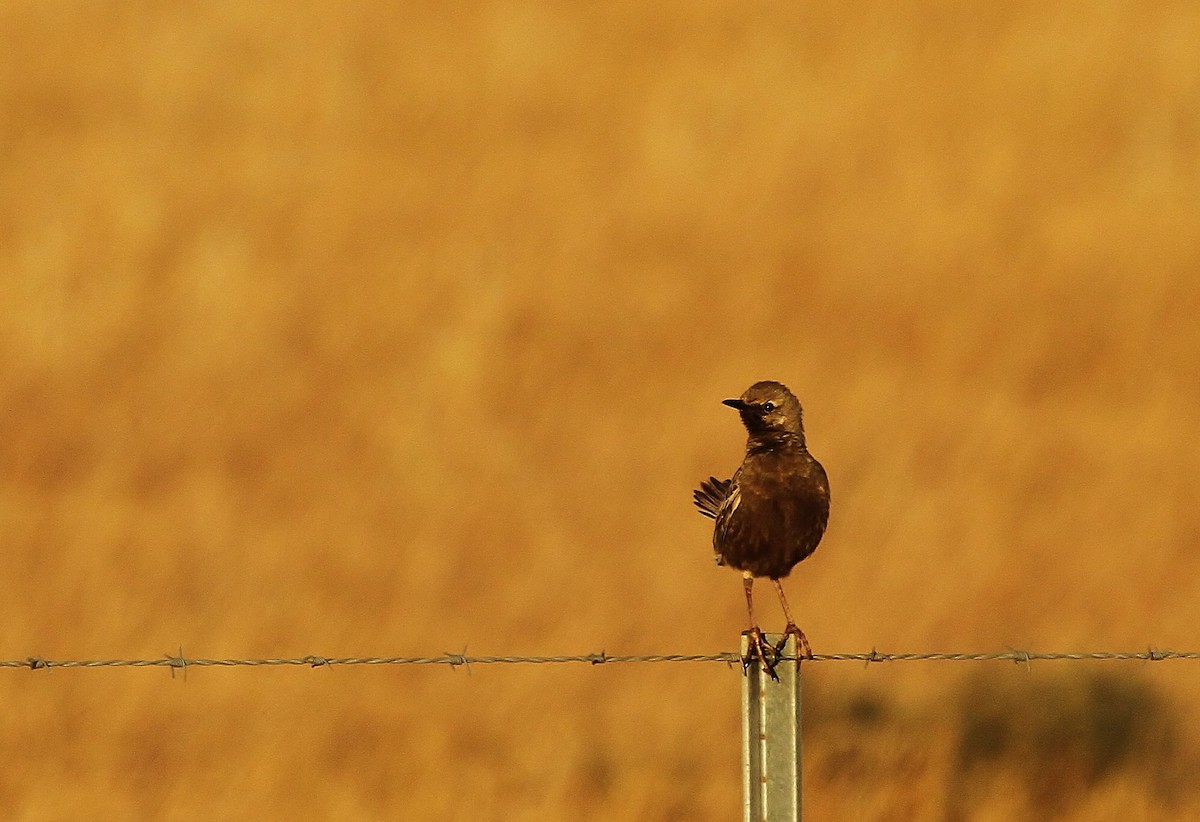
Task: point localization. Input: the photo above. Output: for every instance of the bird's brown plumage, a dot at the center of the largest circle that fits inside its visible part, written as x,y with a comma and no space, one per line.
773,512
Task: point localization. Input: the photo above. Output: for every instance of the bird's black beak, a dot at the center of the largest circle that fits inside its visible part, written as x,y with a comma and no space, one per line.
738,404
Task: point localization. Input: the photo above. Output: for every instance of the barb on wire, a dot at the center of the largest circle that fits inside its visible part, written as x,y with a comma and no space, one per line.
180,662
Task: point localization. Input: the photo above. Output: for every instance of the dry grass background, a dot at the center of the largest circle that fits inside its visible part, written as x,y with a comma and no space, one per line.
365,329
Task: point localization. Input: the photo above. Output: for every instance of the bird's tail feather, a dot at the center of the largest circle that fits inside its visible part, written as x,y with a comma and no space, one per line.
709,496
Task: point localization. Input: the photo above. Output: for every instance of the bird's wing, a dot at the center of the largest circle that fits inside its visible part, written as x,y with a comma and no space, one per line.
727,526
711,495
725,519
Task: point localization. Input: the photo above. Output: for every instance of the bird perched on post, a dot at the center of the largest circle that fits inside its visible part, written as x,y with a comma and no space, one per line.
773,512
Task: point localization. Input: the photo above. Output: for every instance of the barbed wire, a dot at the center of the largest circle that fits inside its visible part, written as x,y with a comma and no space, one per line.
180,662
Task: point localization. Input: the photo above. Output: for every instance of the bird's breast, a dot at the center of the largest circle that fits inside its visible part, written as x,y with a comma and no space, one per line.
778,517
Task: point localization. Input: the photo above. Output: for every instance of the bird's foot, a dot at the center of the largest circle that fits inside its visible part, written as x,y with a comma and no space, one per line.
801,642
759,648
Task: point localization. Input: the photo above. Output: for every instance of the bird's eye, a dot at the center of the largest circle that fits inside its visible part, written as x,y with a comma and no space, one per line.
768,407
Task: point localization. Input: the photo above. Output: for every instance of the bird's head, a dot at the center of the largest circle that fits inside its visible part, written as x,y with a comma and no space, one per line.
769,409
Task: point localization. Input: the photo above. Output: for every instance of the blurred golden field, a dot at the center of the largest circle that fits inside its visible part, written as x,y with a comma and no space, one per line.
364,329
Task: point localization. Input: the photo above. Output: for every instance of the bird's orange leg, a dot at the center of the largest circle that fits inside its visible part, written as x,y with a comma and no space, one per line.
758,643
791,629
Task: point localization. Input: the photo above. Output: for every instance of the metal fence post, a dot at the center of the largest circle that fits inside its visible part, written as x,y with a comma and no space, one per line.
771,738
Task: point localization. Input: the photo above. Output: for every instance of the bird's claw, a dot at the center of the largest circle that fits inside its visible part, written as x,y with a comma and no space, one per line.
801,642
759,648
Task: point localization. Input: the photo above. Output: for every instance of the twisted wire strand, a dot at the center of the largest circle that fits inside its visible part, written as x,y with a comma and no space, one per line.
179,661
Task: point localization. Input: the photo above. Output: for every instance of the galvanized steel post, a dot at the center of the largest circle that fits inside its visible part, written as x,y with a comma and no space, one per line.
771,737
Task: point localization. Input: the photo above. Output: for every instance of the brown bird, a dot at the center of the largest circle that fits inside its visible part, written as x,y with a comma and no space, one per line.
773,513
